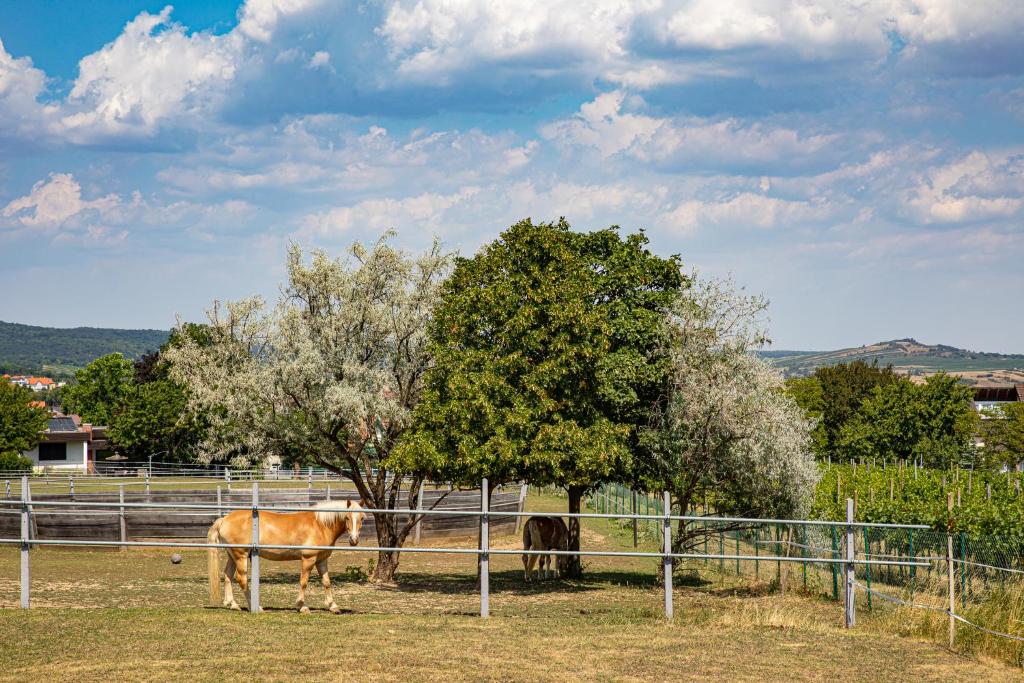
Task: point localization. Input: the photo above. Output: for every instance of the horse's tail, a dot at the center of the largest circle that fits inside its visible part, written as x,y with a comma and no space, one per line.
213,561
527,537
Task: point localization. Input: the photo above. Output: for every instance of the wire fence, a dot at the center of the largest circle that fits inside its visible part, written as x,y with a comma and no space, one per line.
912,567
27,506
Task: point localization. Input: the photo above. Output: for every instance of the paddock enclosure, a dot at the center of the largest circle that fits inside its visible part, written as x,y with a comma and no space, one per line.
90,523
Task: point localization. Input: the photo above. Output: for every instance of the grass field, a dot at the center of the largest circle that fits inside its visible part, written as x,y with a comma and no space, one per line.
104,615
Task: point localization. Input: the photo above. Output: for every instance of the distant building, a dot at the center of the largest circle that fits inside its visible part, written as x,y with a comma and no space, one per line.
33,383
986,398
68,444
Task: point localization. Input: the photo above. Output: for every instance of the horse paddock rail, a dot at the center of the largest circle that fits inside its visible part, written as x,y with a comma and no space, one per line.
848,561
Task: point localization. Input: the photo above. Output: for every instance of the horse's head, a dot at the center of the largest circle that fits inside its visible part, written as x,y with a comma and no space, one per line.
563,564
354,520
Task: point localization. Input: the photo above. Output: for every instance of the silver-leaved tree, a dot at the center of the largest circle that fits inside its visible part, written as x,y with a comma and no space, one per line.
726,432
329,376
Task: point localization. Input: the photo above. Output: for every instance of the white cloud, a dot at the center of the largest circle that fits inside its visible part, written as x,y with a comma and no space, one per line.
53,201
320,58
20,86
152,72
745,209
330,154
432,38
257,19
422,212
55,206
976,187
603,125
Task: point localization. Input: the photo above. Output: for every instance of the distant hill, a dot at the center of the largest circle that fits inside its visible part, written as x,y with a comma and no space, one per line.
58,352
908,356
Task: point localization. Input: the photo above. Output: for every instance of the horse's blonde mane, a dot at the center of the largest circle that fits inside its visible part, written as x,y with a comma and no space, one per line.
332,512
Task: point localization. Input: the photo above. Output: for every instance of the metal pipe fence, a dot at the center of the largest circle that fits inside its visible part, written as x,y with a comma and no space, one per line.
982,574
663,515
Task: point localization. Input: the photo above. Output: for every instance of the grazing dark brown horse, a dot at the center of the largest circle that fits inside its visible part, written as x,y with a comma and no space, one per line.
545,533
320,527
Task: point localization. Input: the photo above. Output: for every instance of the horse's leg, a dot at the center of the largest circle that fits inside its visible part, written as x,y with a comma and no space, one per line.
531,564
229,570
307,566
325,581
242,576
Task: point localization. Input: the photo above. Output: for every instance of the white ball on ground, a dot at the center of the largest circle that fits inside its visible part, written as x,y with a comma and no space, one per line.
175,558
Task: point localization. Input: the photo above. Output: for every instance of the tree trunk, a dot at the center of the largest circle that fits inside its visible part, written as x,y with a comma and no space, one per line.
387,560
575,570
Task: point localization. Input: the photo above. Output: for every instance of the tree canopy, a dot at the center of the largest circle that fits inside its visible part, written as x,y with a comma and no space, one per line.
726,432
547,359
931,422
99,389
330,375
21,425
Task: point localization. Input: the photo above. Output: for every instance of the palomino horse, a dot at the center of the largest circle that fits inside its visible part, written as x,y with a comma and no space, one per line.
545,533
321,527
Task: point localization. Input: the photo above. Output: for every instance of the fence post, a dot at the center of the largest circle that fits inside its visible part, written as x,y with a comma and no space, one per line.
220,509
309,486
737,552
485,579
848,594
666,561
757,552
867,567
71,486
522,505
147,486
951,585
835,567
913,558
632,497
254,553
7,486
25,529
963,571
419,521
33,523
120,517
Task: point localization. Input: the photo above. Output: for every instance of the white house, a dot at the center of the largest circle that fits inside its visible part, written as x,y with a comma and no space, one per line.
64,445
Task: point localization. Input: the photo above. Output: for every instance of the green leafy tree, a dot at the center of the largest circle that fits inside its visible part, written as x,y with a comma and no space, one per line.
154,415
844,388
21,425
808,394
726,432
99,389
931,422
1004,435
154,418
547,359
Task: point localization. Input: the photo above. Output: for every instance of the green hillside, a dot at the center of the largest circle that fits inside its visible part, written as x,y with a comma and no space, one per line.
906,355
58,352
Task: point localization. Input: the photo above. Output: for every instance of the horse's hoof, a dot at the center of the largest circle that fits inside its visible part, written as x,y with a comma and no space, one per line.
235,607
334,609
303,610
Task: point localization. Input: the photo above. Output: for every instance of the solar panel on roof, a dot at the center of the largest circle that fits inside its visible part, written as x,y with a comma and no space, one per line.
62,424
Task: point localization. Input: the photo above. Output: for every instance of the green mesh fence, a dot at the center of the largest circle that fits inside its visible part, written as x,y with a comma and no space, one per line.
980,566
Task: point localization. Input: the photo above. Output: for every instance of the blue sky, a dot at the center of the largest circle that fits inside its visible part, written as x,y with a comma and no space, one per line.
861,163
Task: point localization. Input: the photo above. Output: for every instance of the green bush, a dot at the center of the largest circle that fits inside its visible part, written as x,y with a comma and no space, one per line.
11,462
